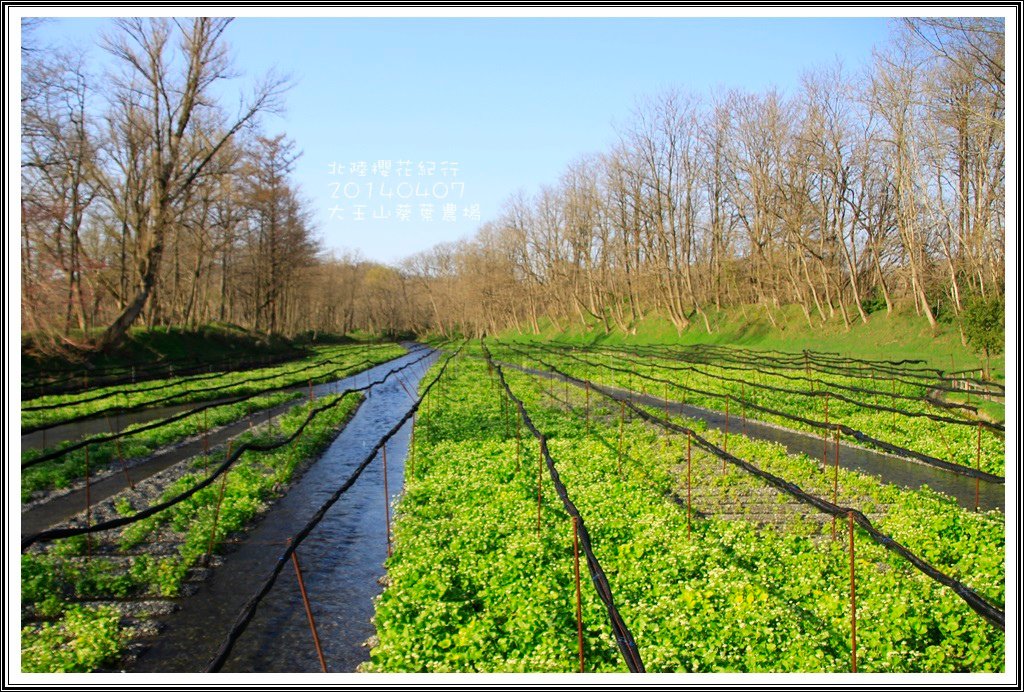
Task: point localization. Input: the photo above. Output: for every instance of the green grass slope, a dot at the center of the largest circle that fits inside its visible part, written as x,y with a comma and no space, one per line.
892,337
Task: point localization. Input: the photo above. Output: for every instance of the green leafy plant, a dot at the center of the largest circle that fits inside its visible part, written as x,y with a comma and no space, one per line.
475,586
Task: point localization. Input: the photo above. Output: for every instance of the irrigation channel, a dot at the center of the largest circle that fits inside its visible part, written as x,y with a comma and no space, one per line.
342,561
886,467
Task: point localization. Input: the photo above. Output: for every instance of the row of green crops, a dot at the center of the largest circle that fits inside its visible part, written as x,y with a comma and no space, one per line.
77,637
475,587
948,441
320,367
60,473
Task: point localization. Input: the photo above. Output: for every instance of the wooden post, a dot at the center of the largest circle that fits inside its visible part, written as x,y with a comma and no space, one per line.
579,594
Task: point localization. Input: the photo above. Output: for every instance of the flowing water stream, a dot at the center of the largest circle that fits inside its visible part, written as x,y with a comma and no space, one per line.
342,560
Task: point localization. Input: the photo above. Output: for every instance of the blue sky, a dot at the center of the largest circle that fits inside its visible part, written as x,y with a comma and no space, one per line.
510,101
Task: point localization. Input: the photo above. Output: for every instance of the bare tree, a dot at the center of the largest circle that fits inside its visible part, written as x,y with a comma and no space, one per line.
168,93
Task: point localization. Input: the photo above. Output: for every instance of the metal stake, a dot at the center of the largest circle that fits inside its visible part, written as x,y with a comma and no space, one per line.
853,602
579,596
309,610
387,504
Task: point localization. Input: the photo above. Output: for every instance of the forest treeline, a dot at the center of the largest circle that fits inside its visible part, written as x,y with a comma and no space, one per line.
857,193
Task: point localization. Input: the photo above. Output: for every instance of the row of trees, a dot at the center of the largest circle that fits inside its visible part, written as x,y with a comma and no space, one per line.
854,194
143,197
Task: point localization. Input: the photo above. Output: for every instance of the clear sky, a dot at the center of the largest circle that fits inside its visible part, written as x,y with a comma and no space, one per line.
508,103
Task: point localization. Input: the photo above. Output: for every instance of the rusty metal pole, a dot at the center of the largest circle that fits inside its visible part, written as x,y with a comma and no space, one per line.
387,503
743,406
977,480
88,506
540,476
206,440
310,395
622,423
505,405
725,436
309,610
835,481
412,448
588,407
689,498
893,381
216,511
579,593
853,601
825,435
120,456
124,466
519,441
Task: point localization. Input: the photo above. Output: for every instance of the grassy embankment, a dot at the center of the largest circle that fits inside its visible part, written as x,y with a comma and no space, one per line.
898,336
